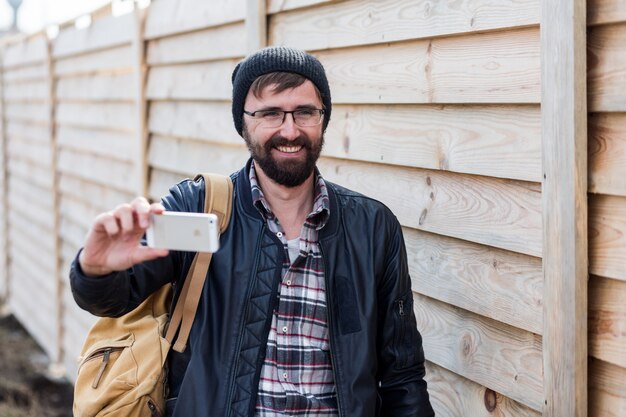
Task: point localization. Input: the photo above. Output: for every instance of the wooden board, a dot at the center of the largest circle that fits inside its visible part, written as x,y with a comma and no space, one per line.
29,73
105,61
37,91
161,181
501,285
103,87
26,52
204,121
34,173
355,22
40,217
28,112
607,236
116,116
497,356
607,320
111,144
18,130
607,153
607,389
209,81
31,151
501,67
451,395
499,141
100,196
108,32
228,41
277,6
605,11
501,213
176,16
606,65
191,157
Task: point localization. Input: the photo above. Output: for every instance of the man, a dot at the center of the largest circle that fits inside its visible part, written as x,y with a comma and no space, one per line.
307,307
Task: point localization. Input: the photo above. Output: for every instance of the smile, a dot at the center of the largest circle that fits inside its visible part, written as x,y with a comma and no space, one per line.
289,149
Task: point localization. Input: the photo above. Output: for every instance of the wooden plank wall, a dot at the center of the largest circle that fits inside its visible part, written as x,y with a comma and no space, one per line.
606,62
192,48
28,106
98,139
4,276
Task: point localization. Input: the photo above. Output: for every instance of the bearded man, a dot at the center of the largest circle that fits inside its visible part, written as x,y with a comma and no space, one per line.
307,307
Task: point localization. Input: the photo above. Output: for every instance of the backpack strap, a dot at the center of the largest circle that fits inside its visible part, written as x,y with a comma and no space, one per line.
218,192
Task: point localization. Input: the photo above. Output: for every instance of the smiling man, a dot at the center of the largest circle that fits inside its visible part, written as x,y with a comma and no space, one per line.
307,309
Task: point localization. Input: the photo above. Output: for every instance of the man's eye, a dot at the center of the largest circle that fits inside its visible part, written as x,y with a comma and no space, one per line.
305,113
270,114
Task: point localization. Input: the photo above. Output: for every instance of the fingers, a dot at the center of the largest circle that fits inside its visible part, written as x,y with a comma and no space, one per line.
128,219
145,253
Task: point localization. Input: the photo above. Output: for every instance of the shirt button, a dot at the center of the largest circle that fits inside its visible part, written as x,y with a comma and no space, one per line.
288,282
285,375
284,329
279,234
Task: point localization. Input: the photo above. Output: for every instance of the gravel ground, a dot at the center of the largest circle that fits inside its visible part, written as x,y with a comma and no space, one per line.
25,388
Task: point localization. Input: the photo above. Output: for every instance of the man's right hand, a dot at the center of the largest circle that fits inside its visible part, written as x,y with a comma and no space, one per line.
113,241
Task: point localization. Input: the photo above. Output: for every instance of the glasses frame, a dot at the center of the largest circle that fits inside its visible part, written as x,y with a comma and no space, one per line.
285,112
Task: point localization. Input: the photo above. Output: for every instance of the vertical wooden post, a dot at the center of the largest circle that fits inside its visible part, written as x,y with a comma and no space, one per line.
56,367
256,24
564,132
140,72
4,296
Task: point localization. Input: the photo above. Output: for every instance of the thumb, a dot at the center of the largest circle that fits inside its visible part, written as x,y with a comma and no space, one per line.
145,253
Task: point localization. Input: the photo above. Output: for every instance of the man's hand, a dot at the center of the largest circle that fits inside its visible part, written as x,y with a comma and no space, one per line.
113,240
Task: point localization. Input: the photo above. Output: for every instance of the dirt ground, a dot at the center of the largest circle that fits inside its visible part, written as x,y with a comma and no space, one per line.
25,389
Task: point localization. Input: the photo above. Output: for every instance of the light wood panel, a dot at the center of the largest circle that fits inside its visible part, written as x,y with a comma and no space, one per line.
228,41
500,213
209,81
100,196
276,6
191,157
607,320
31,91
28,52
357,22
20,74
204,121
103,87
20,205
605,11
500,141
501,285
607,389
500,357
38,175
112,144
452,395
30,151
500,67
106,61
606,60
27,112
17,130
607,153
176,16
607,236
161,181
107,32
118,116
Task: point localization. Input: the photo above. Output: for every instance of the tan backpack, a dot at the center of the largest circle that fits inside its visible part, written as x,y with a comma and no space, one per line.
122,369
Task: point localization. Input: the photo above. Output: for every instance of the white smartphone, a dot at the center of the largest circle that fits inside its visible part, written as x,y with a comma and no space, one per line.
192,232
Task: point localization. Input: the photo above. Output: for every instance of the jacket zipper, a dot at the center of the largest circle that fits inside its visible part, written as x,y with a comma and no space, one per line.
106,356
329,310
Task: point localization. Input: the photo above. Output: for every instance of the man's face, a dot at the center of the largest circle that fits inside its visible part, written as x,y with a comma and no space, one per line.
286,154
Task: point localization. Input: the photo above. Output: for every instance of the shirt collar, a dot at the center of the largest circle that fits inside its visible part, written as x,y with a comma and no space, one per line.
321,202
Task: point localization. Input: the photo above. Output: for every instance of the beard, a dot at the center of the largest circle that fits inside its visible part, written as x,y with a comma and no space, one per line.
289,173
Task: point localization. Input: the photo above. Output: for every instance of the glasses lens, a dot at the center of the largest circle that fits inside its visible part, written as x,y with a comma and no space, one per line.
307,117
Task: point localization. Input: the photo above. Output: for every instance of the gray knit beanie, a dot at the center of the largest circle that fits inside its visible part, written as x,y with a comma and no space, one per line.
277,59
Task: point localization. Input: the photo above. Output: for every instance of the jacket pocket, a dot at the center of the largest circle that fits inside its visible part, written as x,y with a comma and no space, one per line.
406,337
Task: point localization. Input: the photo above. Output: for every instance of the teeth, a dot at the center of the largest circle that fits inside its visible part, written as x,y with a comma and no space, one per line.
289,149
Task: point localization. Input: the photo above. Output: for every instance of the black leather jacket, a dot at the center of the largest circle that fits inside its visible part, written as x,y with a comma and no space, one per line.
376,349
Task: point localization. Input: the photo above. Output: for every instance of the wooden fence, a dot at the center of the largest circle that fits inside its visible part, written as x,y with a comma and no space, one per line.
463,117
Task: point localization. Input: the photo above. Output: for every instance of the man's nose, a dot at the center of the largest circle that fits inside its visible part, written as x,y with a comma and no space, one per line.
289,128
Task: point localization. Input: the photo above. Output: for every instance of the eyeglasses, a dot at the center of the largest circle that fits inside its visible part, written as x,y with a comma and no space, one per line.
275,118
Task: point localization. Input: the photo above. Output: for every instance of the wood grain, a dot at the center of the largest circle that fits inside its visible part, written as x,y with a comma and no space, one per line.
102,87
103,33
501,213
38,113
33,152
607,320
38,175
26,73
102,197
499,141
498,284
607,389
500,357
277,6
118,59
30,51
501,67
176,16
208,81
110,144
115,116
355,22
228,41
607,153
30,91
605,11
606,68
203,121
451,395
607,236
19,130
161,181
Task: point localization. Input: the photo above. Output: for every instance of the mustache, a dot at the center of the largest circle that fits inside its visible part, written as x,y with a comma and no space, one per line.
278,140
